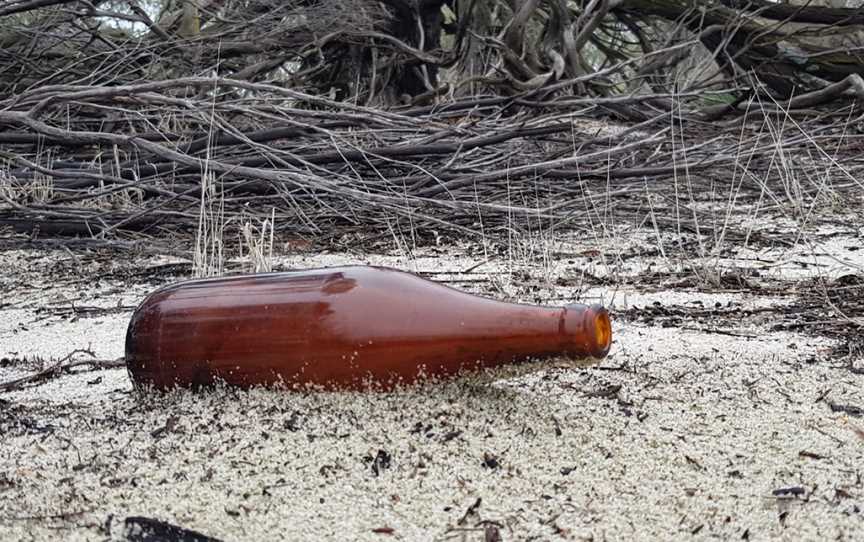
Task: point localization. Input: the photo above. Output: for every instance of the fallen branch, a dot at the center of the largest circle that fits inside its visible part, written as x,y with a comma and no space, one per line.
62,367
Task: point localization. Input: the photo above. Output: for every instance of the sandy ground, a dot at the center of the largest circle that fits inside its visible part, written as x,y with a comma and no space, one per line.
700,429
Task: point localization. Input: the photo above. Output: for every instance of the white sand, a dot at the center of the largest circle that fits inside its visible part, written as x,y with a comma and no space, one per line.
704,428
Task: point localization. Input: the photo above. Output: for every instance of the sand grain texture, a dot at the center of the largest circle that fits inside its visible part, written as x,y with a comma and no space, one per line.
682,432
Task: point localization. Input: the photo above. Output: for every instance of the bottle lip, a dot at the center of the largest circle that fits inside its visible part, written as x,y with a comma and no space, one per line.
593,331
602,327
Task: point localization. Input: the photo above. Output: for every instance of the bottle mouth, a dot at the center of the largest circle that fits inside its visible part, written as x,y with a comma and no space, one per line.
603,329
589,330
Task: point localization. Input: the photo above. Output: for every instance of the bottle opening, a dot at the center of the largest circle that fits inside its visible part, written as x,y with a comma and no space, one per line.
603,328
588,330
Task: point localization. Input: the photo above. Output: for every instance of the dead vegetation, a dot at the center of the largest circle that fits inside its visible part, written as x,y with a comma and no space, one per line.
476,167
483,120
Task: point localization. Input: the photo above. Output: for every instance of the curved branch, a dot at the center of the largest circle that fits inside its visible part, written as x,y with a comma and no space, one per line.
800,14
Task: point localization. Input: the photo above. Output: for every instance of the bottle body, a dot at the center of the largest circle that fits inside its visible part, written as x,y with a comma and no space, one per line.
342,328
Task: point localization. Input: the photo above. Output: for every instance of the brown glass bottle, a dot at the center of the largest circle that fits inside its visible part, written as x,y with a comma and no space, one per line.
342,328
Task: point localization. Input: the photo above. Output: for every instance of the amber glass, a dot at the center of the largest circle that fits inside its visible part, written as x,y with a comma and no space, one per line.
342,328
